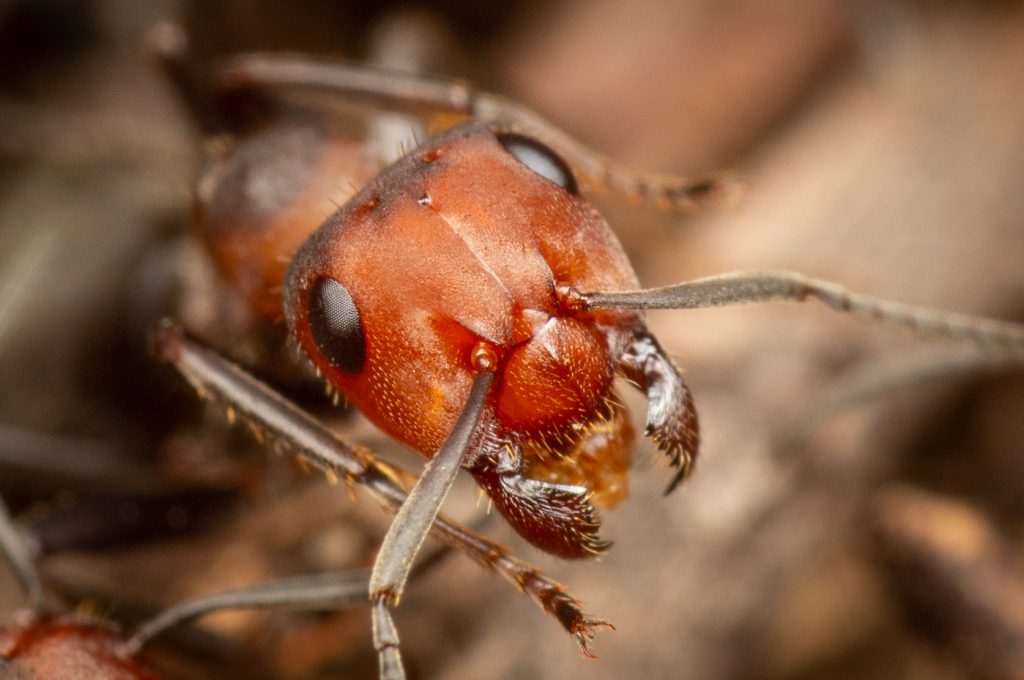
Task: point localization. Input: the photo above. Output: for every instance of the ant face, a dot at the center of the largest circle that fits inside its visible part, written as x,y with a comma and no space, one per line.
472,249
457,249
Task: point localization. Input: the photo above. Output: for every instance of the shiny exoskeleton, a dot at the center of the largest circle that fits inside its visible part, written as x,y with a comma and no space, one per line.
40,644
66,648
473,245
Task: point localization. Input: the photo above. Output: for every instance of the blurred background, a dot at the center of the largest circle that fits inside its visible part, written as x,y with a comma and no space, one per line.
858,510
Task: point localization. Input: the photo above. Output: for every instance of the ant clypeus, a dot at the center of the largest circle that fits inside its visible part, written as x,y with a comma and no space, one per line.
471,303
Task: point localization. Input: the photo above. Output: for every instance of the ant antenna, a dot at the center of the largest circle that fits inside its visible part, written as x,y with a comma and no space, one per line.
784,286
413,521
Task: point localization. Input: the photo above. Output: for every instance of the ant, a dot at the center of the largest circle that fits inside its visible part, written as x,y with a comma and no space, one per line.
472,303
41,643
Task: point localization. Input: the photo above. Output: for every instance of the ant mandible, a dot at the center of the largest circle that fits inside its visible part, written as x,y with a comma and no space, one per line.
472,303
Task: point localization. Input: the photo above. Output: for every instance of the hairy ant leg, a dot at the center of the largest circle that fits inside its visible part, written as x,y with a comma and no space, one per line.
403,46
277,75
450,99
292,430
782,286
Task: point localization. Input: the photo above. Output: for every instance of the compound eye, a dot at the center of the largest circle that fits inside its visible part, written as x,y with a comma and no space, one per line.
540,159
334,322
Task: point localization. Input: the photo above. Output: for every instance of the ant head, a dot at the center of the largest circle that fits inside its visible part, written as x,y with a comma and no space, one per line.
41,645
462,245
58,648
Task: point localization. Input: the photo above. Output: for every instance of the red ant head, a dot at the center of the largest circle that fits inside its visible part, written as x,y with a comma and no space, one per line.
457,253
65,648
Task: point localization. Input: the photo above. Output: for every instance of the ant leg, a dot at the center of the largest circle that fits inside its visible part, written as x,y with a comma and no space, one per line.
768,286
598,173
17,553
289,429
671,416
312,592
278,75
455,101
413,521
324,591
